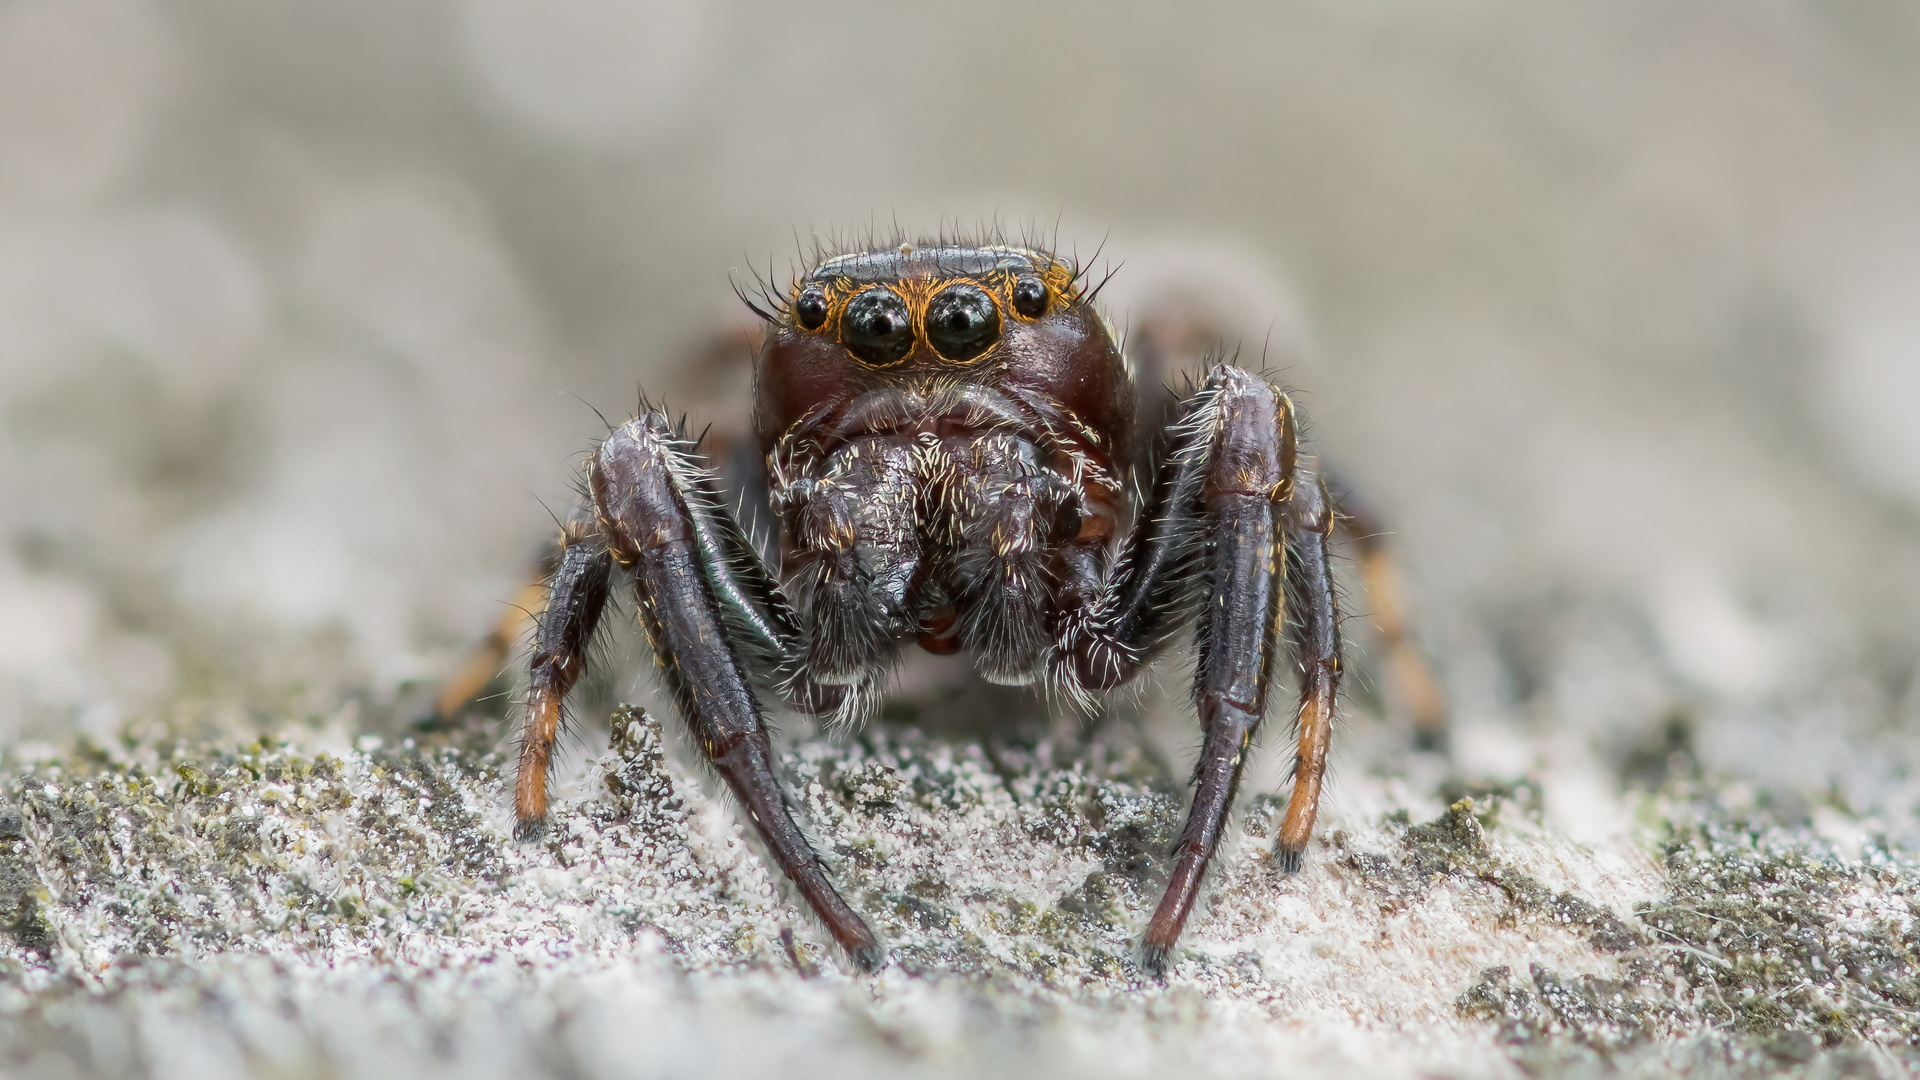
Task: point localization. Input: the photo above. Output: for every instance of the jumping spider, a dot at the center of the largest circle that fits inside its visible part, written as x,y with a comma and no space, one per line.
948,437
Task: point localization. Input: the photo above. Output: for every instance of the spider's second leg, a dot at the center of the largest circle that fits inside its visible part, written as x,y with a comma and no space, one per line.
1316,626
716,372
656,514
576,597
1173,335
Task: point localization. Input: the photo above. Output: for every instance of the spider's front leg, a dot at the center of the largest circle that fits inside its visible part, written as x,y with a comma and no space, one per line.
717,371
1258,505
1232,504
713,618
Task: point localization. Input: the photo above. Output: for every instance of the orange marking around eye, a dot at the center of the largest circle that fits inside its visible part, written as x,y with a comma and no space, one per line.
918,292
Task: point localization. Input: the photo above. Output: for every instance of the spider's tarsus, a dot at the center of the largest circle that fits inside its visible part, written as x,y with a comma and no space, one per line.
1155,960
1289,859
869,958
529,829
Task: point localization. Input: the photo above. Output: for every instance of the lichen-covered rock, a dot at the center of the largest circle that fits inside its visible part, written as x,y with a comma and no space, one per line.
260,910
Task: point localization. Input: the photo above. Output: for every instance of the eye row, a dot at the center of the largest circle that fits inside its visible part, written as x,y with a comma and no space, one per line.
962,320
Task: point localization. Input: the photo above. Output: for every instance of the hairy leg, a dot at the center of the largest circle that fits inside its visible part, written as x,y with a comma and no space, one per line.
659,523
1212,543
576,598
714,376
1246,483
1174,335
1315,622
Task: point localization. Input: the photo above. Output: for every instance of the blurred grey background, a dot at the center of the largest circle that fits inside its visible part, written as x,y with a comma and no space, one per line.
1611,306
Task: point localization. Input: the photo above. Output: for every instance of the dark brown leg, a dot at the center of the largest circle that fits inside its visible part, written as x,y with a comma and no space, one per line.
715,377
1244,492
576,597
1108,639
1316,633
1171,337
1408,674
659,523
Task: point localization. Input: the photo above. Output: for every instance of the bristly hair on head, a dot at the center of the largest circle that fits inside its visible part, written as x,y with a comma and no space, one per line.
819,247
770,303
762,298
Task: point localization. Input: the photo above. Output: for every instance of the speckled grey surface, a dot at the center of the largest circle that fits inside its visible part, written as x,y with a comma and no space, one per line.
1608,306
258,910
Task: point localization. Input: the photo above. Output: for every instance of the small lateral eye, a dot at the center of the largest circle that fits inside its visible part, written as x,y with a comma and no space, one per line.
962,322
810,309
1030,297
877,328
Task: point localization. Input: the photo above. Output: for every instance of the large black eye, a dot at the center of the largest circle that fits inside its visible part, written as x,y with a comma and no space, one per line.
1030,297
810,309
962,322
877,327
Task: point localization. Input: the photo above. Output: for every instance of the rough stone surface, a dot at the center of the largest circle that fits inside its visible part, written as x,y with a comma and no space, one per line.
252,909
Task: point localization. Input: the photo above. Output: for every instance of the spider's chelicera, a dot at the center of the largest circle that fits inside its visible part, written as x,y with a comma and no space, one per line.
948,438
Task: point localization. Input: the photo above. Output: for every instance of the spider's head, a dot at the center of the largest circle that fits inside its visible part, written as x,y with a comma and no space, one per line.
948,306
989,314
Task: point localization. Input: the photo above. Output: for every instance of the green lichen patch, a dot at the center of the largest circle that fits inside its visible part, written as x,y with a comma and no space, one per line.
972,861
1768,950
1010,881
1775,934
1454,846
1604,1015
231,849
